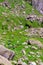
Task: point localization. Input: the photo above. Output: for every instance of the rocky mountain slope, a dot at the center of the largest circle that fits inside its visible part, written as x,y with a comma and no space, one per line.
21,30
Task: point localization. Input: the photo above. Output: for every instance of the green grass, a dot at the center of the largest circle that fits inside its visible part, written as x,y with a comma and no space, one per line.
14,39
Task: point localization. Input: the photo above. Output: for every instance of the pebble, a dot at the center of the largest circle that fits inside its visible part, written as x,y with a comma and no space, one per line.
33,47
24,43
21,63
32,63
31,53
26,46
23,51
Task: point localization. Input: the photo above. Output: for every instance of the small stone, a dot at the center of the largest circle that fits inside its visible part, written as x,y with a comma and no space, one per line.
33,47
23,51
32,63
26,46
23,6
25,43
21,63
21,26
31,53
25,58
24,12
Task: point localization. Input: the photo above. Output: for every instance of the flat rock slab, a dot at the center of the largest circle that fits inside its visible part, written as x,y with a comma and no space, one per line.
4,61
6,52
36,42
35,32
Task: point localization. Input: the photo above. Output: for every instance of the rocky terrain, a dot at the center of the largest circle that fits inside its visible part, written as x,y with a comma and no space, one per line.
38,4
21,32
